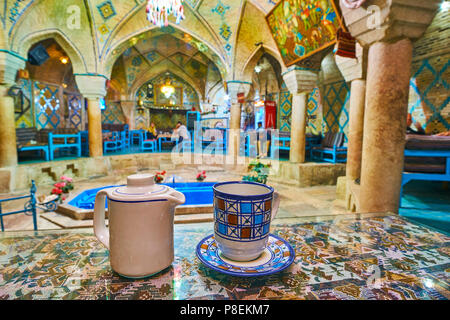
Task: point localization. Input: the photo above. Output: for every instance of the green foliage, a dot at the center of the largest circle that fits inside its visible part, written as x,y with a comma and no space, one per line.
258,172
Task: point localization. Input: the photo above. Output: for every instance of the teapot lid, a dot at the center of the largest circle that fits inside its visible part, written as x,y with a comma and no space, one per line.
139,187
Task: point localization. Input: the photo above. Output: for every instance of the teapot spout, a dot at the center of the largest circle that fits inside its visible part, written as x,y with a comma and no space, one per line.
177,198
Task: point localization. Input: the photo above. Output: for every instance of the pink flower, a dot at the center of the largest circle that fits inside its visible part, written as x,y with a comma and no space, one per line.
64,178
60,184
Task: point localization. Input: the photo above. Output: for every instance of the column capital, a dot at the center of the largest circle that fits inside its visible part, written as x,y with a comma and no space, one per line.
388,20
299,80
91,86
353,69
237,86
10,63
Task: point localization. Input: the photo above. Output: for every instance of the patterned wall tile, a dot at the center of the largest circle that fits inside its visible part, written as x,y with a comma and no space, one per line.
314,111
285,107
48,111
335,101
429,94
75,103
22,95
113,113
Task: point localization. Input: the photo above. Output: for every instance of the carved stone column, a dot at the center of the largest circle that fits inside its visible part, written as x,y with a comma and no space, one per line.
93,89
235,87
300,82
387,29
354,71
9,65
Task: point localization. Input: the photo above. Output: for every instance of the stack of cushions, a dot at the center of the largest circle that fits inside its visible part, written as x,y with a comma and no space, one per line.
426,164
332,139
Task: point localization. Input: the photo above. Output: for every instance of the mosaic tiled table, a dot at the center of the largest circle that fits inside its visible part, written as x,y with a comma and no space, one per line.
382,257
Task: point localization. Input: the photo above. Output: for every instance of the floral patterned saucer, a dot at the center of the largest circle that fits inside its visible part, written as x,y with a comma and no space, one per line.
277,256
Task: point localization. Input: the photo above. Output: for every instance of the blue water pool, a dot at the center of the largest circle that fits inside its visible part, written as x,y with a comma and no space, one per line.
196,193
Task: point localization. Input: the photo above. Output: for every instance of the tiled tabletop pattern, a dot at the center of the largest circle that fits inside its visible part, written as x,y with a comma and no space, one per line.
382,257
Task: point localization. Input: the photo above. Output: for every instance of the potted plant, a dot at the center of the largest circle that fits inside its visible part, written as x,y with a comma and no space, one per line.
201,176
258,172
160,176
62,188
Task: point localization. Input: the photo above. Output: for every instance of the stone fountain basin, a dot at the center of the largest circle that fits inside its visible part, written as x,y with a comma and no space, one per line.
199,199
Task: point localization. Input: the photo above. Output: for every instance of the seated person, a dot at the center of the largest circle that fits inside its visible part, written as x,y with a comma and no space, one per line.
409,130
180,132
152,133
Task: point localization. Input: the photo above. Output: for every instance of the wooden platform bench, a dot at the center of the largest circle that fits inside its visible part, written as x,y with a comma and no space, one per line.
30,139
427,158
331,148
64,139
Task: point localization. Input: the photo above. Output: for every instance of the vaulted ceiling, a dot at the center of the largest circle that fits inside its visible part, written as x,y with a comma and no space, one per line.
116,24
149,57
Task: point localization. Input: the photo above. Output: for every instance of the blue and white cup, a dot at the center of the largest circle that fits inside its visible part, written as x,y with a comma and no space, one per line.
243,212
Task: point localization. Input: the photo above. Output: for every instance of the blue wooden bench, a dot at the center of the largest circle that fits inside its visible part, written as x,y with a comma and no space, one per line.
279,143
331,149
24,137
409,176
147,144
250,148
284,143
126,139
114,143
136,136
311,142
64,141
84,143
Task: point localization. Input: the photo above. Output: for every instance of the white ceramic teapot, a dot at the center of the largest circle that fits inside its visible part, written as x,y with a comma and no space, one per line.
140,234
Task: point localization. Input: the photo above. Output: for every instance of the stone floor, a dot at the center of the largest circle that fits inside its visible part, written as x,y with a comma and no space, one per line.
295,201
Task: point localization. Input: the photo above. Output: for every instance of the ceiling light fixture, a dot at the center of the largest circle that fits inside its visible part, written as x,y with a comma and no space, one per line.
258,69
167,89
158,11
64,60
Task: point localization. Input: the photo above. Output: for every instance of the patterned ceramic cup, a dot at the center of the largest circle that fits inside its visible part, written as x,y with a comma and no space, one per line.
242,214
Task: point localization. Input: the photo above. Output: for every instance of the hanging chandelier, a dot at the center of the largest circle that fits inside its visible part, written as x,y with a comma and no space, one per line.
167,89
158,11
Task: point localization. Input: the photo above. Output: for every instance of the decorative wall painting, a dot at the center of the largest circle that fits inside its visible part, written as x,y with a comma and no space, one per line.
176,99
301,28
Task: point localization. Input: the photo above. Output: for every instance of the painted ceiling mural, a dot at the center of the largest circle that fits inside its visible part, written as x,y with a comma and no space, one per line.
303,27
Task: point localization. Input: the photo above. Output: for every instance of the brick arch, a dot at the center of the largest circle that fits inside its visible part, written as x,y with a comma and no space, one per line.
154,73
78,63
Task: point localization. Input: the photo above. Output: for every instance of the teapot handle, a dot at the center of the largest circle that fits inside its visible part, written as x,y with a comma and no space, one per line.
100,229
275,204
